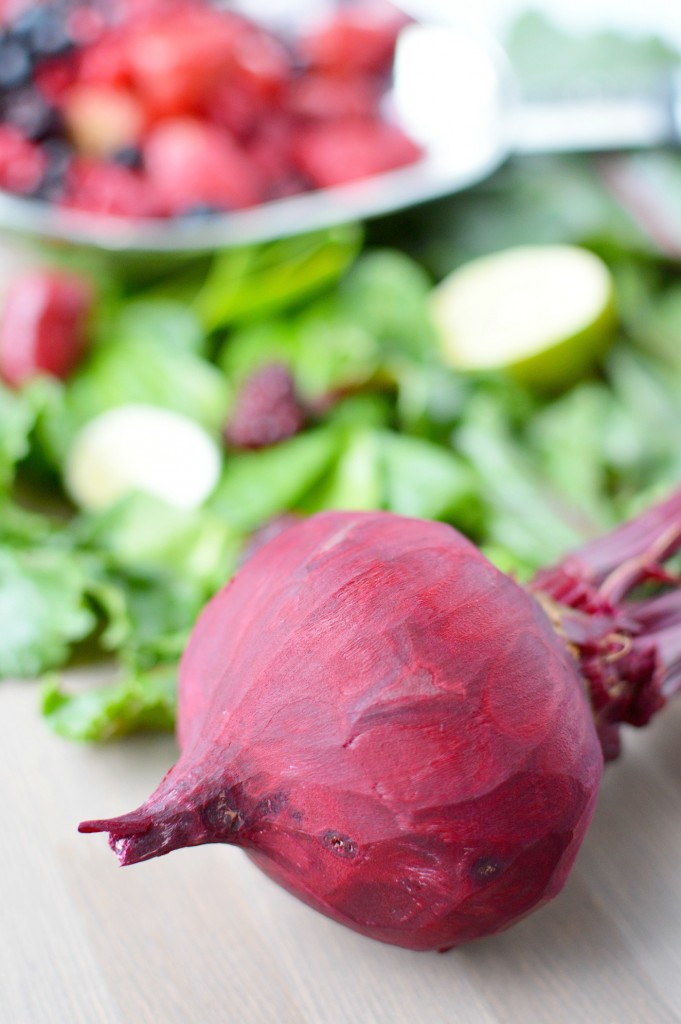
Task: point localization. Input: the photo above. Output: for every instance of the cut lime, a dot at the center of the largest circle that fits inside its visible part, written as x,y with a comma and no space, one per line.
544,313
141,448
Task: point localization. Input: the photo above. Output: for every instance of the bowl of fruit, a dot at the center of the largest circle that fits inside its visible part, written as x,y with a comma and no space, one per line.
184,125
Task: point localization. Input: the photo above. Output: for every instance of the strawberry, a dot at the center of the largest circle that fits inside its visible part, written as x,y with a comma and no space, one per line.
338,152
43,325
190,163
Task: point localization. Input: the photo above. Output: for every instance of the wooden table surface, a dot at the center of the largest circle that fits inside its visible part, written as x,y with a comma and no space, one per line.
201,937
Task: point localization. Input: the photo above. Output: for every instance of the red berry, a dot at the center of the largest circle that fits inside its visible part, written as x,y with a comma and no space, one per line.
234,109
22,163
43,327
105,62
335,153
261,65
109,189
319,96
267,410
85,24
176,61
53,78
189,162
361,39
271,150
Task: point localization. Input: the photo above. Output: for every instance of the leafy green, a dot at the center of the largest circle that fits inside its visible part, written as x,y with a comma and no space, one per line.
144,532
373,322
44,608
355,481
525,515
324,350
429,481
163,322
17,418
135,371
257,486
257,281
141,700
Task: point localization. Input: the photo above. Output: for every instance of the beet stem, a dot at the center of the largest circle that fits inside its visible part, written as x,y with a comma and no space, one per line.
628,650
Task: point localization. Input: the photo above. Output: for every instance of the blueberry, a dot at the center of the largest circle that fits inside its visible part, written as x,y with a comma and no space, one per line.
43,31
127,156
200,210
15,64
58,155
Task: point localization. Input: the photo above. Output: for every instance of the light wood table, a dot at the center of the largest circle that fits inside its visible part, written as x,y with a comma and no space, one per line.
201,937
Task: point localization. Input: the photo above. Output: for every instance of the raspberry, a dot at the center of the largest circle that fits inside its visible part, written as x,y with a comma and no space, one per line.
267,410
22,164
108,189
337,152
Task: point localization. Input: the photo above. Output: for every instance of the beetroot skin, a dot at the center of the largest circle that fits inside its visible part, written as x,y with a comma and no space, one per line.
397,732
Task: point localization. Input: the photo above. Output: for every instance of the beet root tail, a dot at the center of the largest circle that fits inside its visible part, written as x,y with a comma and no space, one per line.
169,820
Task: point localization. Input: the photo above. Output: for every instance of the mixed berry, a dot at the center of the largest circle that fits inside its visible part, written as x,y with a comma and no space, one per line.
267,410
167,108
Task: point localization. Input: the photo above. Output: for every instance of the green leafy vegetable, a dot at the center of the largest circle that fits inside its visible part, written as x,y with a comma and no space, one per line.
17,418
257,281
257,486
136,371
44,608
141,700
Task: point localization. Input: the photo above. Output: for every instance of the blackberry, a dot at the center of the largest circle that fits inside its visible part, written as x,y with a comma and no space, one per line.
26,110
267,410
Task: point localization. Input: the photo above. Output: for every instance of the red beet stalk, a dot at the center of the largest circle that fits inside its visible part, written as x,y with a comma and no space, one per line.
400,734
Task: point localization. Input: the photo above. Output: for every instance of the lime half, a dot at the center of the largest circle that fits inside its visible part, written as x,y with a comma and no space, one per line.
544,313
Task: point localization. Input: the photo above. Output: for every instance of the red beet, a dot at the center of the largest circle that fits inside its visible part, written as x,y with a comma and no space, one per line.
401,735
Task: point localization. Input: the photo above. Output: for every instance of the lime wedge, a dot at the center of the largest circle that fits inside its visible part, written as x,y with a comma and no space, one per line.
543,313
